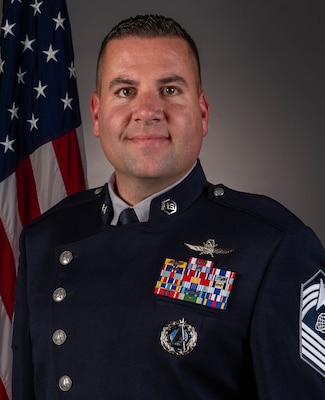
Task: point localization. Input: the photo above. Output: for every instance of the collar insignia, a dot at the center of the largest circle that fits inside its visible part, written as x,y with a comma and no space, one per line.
312,322
169,206
210,247
178,337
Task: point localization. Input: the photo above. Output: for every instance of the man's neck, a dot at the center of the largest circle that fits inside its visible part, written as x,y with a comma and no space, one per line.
133,191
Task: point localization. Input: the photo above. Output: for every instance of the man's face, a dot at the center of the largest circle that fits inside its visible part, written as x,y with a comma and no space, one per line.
148,111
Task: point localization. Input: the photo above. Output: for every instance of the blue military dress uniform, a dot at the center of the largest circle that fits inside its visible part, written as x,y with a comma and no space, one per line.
220,295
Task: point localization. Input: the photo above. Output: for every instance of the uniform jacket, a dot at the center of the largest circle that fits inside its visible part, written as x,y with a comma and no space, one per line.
219,296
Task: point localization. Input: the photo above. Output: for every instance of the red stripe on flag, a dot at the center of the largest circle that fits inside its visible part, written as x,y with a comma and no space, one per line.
68,156
3,393
7,274
26,192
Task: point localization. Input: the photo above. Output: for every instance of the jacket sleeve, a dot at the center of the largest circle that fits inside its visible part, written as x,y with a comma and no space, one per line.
282,370
22,375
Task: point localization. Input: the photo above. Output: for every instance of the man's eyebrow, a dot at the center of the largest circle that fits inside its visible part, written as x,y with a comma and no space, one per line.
162,81
173,79
121,81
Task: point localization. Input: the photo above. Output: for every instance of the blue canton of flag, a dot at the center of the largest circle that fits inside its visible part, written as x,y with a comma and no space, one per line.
37,79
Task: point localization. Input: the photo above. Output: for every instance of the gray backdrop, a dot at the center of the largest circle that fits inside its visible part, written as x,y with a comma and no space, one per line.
263,70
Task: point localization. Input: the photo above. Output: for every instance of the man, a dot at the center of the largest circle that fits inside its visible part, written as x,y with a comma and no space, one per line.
206,293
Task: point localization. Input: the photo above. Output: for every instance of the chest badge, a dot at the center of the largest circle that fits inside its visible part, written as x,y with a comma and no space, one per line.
210,247
178,337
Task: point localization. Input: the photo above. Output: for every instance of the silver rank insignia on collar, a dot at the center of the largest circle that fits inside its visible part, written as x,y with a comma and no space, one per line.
210,247
169,206
178,337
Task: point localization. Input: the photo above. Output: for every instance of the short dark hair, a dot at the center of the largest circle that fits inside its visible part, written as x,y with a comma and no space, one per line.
149,26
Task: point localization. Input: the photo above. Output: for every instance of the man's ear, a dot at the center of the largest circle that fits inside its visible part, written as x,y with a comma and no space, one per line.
205,112
94,110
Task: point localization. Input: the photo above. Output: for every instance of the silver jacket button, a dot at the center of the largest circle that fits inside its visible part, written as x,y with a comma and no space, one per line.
59,337
59,294
218,191
66,257
65,383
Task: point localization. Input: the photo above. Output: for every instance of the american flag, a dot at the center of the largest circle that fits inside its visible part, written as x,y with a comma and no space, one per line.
41,148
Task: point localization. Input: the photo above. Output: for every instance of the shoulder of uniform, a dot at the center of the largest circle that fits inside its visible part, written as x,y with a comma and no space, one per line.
258,206
81,198
85,196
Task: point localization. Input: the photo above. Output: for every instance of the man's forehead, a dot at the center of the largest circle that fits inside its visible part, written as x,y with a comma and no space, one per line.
163,56
124,56
132,43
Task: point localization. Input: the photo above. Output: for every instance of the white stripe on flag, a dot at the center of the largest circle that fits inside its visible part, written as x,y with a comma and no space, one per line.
81,141
5,349
9,213
47,175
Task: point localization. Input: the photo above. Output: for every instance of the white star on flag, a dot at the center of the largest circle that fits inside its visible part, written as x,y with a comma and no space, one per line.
51,54
2,63
67,101
72,71
40,89
27,43
36,7
33,122
8,28
20,75
8,144
59,21
13,111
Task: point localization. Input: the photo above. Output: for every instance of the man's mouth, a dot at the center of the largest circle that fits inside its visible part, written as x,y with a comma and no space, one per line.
147,139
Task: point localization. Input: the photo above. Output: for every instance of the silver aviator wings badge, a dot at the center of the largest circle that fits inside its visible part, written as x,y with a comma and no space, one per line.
210,247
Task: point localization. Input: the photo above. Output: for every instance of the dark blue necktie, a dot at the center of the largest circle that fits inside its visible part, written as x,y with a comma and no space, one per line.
127,216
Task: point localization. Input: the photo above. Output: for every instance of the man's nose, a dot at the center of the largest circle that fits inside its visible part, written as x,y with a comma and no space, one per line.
148,108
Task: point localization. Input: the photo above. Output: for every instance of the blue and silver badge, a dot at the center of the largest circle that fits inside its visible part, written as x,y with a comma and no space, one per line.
312,329
178,337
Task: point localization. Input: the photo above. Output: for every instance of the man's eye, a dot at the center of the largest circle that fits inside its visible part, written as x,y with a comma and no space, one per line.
170,90
126,92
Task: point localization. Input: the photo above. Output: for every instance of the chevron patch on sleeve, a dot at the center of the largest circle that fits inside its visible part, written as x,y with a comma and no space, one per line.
312,322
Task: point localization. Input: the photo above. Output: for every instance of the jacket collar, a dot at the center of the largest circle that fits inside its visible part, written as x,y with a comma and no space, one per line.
171,202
